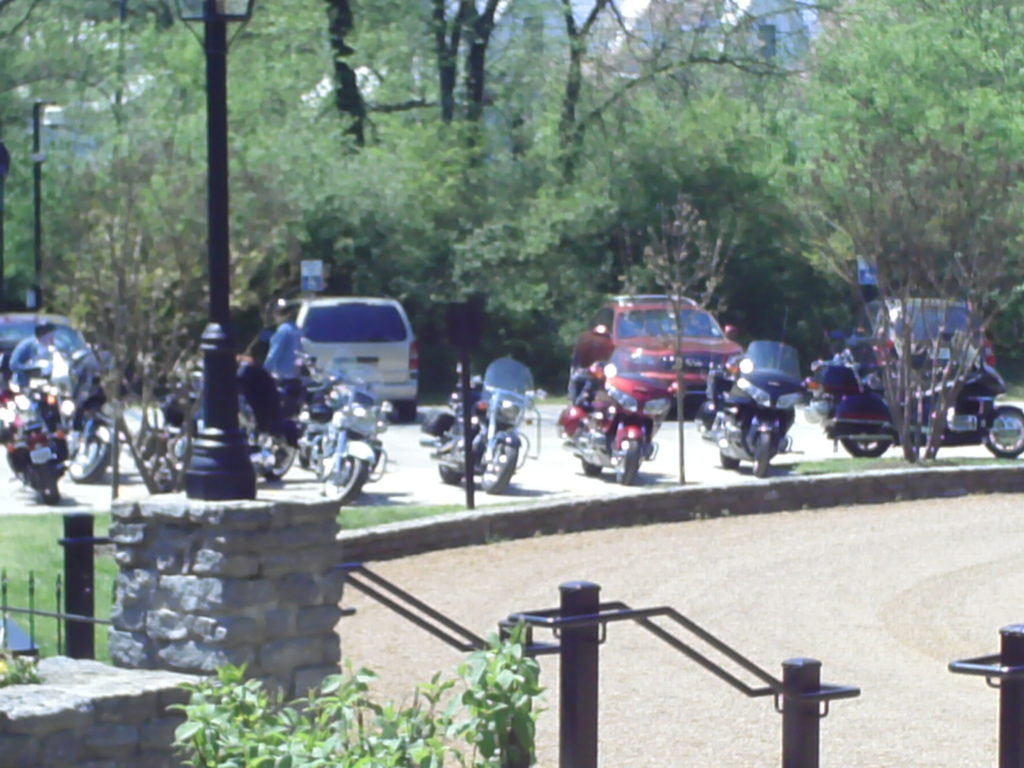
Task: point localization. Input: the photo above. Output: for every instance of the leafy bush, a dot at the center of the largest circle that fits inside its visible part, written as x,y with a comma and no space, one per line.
232,721
16,670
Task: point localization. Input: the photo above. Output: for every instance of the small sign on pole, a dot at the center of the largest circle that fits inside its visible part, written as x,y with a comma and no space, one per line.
312,275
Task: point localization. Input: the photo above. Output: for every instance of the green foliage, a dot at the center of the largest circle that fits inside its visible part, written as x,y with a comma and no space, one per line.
234,721
17,670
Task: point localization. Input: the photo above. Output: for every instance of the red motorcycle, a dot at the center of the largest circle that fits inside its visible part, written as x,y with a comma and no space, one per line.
37,449
614,414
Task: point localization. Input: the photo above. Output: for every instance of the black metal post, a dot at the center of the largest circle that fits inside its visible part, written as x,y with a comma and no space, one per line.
5,164
465,361
37,201
220,467
579,677
1011,698
800,718
79,594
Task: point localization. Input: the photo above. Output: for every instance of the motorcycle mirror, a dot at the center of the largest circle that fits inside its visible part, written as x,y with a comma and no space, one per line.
610,371
731,332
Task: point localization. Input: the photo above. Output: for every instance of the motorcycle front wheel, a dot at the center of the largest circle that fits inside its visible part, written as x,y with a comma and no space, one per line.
499,470
1005,438
284,456
449,475
629,465
762,454
91,457
344,481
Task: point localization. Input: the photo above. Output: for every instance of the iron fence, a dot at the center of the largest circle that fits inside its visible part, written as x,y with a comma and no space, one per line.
74,604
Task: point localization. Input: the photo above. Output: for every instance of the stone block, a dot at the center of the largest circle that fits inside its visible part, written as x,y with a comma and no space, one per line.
311,678
132,618
298,589
189,594
280,622
122,708
136,586
210,562
226,630
61,747
163,624
17,751
333,585
191,656
157,734
245,515
281,657
332,649
127,558
127,533
131,649
240,594
318,619
110,740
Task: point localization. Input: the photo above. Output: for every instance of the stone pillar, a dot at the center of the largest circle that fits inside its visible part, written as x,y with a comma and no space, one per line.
204,584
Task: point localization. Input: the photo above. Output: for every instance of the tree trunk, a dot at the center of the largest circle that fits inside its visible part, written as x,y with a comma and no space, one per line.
347,96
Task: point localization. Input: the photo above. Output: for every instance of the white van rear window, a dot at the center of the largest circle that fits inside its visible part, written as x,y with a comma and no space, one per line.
353,322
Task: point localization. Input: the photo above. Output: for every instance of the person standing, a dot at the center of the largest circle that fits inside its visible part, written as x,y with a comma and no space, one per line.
283,357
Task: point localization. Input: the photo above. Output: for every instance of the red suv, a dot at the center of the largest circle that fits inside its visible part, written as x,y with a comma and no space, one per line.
645,323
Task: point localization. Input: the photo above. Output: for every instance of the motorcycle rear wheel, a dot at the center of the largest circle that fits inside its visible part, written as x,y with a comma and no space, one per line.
284,457
449,475
1005,438
499,470
345,483
865,449
49,491
629,465
762,454
90,460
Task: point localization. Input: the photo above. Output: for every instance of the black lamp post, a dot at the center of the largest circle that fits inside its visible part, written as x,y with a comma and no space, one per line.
5,166
38,157
220,467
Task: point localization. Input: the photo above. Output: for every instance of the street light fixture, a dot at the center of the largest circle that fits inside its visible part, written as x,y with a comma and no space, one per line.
5,166
220,467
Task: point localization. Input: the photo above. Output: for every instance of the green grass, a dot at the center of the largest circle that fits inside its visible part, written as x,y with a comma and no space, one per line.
29,545
851,465
364,517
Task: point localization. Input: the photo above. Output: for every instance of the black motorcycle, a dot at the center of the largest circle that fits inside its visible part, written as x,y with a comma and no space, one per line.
500,404
751,405
90,430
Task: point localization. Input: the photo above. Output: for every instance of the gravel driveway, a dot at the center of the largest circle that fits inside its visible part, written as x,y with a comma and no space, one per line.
885,596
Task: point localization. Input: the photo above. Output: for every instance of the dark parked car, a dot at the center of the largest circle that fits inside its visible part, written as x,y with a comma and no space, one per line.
646,323
15,326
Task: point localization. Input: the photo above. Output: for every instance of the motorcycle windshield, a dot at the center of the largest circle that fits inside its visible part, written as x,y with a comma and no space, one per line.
772,357
509,375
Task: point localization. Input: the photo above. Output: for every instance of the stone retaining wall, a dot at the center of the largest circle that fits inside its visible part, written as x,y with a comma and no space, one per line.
205,584
89,715
673,505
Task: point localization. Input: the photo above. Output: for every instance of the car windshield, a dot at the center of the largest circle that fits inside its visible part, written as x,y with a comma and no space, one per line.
659,322
772,356
929,318
65,339
353,322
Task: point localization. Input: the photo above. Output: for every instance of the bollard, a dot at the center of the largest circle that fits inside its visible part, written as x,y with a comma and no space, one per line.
579,677
79,599
1011,698
800,718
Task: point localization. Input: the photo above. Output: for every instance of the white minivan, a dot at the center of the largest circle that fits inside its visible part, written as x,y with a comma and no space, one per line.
372,336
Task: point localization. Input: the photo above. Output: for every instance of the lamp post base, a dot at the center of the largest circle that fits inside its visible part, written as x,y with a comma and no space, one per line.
220,469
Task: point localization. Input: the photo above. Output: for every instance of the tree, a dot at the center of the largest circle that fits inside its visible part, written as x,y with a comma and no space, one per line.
911,167
685,258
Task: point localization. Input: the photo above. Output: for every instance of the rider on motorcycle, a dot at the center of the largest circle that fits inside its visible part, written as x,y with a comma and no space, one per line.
31,351
585,383
284,357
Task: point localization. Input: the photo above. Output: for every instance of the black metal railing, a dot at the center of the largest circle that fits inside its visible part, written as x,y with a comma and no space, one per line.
580,624
74,598
1005,672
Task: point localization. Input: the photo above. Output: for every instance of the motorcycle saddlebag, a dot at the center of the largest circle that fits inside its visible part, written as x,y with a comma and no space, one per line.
439,423
839,380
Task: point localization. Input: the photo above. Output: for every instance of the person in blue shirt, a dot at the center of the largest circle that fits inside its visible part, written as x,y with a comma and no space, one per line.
285,345
30,351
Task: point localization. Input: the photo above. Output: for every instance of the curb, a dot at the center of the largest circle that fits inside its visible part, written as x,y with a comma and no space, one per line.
460,529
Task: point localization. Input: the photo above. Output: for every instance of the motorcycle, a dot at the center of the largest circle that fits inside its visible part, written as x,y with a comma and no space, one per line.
615,426
847,399
501,402
37,449
752,404
342,423
89,429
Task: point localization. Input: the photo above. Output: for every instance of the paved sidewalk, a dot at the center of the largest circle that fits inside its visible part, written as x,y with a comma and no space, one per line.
885,596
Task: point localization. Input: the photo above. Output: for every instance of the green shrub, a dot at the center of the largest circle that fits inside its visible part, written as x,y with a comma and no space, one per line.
234,722
16,670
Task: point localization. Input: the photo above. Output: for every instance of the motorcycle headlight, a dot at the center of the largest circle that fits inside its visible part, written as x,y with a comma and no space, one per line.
760,397
626,401
22,402
67,408
658,407
790,401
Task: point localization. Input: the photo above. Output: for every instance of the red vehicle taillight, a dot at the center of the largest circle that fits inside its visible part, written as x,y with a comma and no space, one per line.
414,356
989,353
